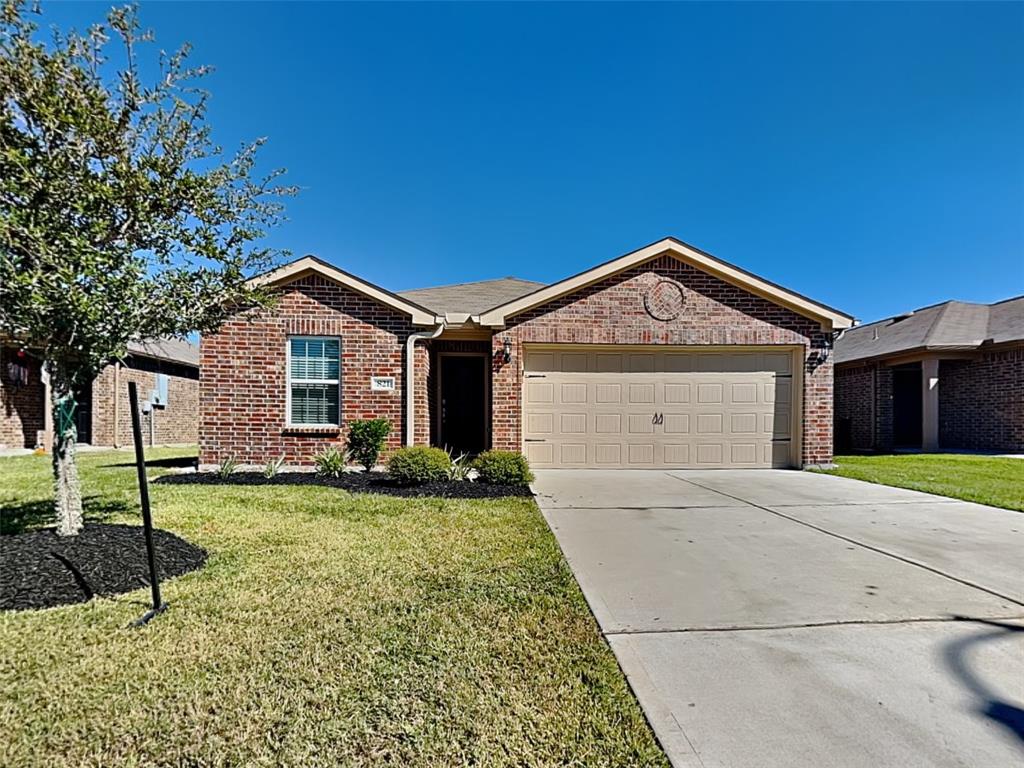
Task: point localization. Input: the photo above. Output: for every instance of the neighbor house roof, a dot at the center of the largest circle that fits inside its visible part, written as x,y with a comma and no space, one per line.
471,298
827,316
951,326
169,350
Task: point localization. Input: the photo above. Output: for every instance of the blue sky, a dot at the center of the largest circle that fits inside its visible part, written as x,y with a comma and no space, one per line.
868,155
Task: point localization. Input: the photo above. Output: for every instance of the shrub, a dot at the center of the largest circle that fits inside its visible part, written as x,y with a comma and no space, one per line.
273,466
503,468
460,466
330,462
418,464
227,467
365,440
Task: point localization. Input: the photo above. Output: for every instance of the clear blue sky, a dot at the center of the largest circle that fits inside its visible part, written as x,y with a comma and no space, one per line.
870,156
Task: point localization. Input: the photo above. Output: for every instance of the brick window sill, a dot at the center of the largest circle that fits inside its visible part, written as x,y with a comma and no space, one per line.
300,430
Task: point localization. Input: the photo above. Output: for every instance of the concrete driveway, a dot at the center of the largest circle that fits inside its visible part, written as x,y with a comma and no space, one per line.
775,618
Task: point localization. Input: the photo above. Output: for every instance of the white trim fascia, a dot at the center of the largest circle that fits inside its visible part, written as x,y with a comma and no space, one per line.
828,317
310,264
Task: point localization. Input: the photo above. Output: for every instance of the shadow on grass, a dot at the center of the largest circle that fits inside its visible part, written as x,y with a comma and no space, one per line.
170,462
18,517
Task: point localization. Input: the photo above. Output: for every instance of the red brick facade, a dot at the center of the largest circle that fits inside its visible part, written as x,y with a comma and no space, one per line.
981,404
243,380
22,404
176,423
22,407
612,312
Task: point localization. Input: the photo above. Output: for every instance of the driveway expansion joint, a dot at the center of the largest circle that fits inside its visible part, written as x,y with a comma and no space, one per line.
958,619
850,540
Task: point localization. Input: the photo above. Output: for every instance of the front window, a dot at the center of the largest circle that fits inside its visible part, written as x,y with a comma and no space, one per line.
314,381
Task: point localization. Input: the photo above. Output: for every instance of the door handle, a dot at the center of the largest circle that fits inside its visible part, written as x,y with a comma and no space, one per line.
658,418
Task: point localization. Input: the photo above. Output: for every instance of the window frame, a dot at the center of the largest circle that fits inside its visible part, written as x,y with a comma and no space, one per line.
289,382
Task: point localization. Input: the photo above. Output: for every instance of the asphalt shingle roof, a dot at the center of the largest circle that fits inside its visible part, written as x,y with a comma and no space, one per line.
172,350
472,298
950,325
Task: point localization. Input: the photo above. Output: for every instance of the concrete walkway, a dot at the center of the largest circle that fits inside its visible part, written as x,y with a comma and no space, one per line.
774,618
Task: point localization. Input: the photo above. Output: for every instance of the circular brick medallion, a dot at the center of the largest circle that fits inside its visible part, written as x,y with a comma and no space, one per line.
664,300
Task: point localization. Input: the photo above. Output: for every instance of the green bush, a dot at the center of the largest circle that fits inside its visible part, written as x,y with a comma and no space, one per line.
366,439
503,468
418,464
330,462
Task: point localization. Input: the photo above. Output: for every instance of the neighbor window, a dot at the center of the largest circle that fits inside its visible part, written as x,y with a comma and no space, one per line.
314,381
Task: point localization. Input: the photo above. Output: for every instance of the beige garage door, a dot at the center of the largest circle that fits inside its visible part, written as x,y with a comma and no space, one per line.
609,407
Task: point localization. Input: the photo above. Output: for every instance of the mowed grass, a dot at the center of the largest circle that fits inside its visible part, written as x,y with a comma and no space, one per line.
983,479
326,629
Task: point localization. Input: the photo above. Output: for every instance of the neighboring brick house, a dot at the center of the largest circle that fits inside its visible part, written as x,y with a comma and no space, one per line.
948,376
166,370
664,357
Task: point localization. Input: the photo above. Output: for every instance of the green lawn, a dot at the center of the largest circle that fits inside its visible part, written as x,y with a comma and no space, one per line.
326,629
984,479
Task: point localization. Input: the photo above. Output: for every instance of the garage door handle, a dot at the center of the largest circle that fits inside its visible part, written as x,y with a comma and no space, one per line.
534,440
658,418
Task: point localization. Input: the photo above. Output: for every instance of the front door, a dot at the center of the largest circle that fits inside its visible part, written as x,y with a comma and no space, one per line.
906,406
463,403
83,413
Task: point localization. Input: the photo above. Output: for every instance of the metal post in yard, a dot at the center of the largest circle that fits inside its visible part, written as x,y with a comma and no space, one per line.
147,519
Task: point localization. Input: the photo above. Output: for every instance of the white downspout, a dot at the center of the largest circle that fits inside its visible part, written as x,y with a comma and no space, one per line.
410,375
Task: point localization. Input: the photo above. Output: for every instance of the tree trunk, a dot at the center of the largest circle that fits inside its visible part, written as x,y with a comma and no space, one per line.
67,491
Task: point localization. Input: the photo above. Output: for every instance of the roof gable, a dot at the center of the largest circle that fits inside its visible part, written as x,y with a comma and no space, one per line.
310,265
827,316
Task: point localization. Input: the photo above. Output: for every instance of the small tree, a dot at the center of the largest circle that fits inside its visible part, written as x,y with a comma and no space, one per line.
366,439
119,217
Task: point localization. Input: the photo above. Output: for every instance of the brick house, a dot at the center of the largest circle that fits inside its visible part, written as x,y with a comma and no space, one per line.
948,376
663,357
165,371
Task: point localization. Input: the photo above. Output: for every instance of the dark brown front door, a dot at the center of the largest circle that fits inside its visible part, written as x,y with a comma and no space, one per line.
83,413
906,406
463,403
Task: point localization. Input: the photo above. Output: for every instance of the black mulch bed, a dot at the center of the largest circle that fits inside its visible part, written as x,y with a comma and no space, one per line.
356,482
40,569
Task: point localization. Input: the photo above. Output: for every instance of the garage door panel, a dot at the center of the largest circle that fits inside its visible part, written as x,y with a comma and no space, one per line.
542,423
709,392
743,453
639,424
573,393
674,393
677,423
573,454
606,393
606,408
540,454
743,423
640,454
709,423
641,394
573,423
539,392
